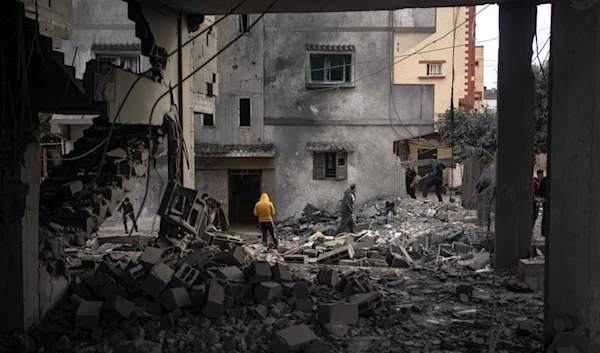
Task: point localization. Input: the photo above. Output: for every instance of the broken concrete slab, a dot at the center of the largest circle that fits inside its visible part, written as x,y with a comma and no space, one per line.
88,314
370,212
338,313
343,252
292,339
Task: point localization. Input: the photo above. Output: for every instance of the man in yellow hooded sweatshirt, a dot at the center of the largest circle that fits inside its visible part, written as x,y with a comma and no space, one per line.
265,211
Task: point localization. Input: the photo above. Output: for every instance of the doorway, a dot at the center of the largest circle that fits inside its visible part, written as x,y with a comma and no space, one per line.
244,193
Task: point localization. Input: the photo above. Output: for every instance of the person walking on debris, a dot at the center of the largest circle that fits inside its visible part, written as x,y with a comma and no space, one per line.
348,210
437,177
265,211
220,221
536,194
543,195
126,210
411,184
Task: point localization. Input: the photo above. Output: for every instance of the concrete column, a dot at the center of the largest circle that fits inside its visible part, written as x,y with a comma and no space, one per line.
515,134
572,306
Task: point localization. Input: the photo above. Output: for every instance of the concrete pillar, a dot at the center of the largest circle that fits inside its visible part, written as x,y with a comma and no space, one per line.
573,239
515,134
20,176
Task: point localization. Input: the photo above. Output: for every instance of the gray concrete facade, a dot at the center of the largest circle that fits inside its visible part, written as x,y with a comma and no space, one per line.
269,64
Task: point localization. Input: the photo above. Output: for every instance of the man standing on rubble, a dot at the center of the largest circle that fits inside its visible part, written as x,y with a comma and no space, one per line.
411,176
348,210
221,221
437,177
265,211
537,180
126,210
543,195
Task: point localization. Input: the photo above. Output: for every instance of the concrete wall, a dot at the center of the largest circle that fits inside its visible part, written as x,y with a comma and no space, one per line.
412,69
99,22
287,114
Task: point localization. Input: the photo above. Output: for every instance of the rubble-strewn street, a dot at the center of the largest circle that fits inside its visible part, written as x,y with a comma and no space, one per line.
416,281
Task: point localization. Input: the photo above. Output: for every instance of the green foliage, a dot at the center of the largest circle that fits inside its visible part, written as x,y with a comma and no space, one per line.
45,135
475,133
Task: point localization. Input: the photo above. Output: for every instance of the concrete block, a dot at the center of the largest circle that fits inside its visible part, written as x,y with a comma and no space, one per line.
368,303
88,315
311,252
198,259
288,288
233,257
77,287
281,273
72,188
150,257
350,263
140,170
198,296
328,277
157,280
126,279
336,329
296,259
215,301
304,305
335,255
258,272
184,277
267,291
370,212
531,271
174,298
105,287
395,260
480,260
124,168
118,308
238,290
302,289
338,313
291,339
231,273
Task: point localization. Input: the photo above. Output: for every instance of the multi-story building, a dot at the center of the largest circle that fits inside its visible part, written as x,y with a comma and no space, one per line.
479,82
305,108
452,44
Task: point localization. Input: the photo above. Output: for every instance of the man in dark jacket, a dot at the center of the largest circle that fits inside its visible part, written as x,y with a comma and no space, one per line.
348,210
126,210
543,195
411,174
437,177
220,221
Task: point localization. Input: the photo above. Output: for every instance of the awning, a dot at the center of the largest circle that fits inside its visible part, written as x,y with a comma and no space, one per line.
330,146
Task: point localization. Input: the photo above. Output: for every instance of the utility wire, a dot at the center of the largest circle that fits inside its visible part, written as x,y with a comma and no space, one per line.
181,82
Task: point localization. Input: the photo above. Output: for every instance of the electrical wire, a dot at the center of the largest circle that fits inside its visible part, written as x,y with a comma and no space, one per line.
181,82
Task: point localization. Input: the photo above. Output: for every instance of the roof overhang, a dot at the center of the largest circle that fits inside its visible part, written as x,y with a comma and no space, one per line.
222,7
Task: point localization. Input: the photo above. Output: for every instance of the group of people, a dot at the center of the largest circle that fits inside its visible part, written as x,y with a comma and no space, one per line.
436,178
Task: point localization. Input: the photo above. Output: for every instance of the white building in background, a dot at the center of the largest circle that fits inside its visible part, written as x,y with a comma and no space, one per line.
490,100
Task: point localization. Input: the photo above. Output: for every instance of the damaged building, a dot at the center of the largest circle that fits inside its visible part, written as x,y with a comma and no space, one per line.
304,110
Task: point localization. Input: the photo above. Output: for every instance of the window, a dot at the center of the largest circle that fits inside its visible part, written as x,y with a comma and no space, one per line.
204,119
330,166
330,68
209,89
245,112
477,63
434,69
243,24
127,62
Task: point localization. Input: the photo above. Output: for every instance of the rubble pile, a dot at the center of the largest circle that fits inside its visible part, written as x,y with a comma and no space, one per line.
75,199
398,233
220,298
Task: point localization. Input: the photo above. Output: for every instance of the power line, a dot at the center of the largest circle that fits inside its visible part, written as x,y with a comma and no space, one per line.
180,83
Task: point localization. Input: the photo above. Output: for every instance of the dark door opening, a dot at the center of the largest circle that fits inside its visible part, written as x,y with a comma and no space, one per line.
422,170
244,193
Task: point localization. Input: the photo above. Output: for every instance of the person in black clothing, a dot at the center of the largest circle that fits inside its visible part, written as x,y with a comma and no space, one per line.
437,177
348,210
543,195
411,174
126,210
220,221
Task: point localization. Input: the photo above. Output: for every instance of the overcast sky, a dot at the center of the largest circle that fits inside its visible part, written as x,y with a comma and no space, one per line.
487,35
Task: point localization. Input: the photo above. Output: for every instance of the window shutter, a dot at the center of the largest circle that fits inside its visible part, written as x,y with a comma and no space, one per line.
342,170
318,166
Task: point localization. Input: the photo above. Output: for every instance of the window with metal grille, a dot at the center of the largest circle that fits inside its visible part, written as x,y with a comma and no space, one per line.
434,69
245,112
330,68
330,165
